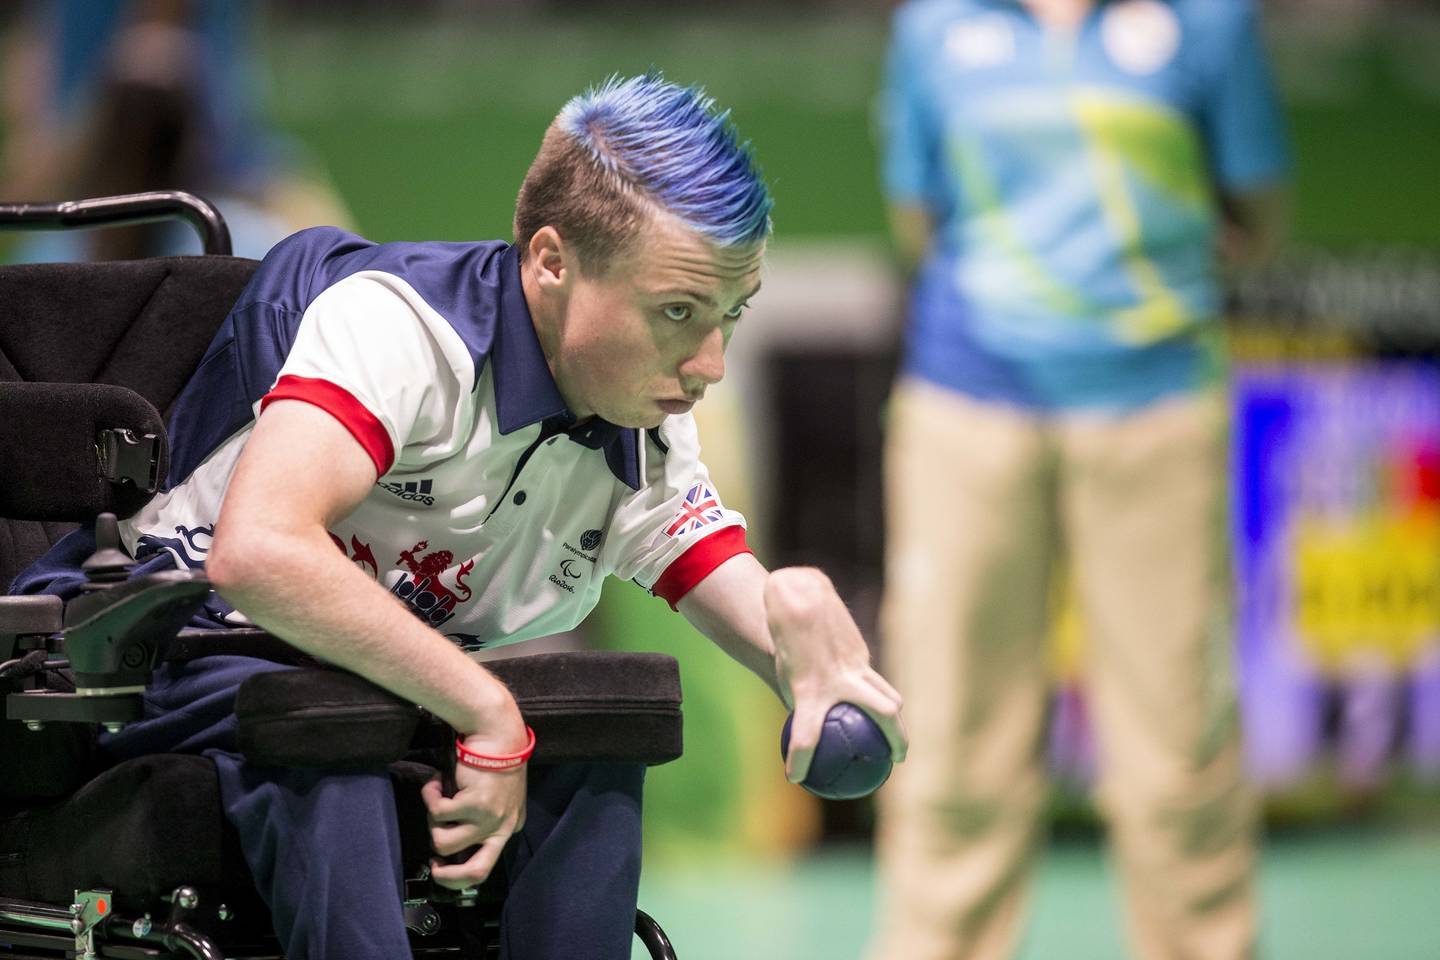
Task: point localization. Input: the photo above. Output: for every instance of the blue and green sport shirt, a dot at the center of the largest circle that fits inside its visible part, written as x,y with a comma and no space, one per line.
1072,180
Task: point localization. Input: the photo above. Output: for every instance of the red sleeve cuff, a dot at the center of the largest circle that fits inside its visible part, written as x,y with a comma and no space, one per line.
698,562
342,405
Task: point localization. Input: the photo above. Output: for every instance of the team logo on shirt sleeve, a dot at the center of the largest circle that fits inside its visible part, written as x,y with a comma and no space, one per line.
700,508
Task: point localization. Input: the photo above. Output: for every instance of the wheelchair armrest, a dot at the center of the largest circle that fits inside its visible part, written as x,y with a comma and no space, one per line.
40,614
317,717
584,706
598,705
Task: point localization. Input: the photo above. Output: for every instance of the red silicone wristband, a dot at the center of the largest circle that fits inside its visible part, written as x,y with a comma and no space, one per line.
483,761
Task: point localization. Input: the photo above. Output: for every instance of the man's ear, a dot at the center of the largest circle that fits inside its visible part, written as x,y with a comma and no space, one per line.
553,261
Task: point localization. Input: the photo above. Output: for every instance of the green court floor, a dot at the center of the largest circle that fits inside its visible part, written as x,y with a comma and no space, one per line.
1332,896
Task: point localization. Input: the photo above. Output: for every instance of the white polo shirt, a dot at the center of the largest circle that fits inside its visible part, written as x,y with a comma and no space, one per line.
495,518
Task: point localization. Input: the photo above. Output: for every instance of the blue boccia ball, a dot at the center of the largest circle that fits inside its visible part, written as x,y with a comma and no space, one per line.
852,758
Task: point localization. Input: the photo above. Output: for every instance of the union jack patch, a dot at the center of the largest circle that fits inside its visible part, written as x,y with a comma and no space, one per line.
700,508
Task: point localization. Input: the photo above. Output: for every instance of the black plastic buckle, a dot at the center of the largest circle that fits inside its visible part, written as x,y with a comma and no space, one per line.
124,458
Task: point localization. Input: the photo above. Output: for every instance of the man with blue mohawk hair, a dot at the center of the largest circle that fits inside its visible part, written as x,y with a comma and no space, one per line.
485,431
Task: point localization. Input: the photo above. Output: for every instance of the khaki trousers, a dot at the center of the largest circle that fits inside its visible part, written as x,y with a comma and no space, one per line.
982,500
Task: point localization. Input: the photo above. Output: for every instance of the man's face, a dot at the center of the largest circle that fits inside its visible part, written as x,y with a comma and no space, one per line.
645,339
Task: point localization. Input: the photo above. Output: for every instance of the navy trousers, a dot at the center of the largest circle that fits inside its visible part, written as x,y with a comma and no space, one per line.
324,848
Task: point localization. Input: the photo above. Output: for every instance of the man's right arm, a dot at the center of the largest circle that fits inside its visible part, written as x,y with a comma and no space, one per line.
273,559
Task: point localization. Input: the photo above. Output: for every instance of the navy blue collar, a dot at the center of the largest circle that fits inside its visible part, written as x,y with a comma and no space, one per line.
525,391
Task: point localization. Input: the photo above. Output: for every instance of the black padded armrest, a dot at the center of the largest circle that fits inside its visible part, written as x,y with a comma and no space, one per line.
583,706
595,705
314,717
37,613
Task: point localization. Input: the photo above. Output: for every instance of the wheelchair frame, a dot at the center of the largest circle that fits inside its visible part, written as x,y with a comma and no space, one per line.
109,639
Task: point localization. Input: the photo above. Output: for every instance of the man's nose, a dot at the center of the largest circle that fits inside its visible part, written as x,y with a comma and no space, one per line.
707,364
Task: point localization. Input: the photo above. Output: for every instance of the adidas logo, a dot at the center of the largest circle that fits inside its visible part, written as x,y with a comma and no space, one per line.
414,491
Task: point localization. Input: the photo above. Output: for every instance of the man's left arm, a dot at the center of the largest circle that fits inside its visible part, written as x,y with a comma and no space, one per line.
790,628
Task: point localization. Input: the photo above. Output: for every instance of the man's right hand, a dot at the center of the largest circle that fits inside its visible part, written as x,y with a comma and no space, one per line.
487,808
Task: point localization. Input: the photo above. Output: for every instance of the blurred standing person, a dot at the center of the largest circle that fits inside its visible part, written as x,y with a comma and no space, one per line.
1062,175
105,97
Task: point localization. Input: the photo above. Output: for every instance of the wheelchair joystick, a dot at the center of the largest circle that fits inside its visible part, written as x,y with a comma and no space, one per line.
111,637
116,628
108,564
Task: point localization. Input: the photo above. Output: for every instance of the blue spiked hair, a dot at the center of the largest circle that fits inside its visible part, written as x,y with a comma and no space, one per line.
672,144
640,139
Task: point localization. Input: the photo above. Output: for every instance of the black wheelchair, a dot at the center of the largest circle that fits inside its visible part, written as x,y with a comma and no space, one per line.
136,860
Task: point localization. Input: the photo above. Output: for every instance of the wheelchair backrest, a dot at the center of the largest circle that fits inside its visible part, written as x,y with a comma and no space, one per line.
141,324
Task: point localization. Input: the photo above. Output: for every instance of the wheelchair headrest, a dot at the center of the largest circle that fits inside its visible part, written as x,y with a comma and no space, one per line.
142,324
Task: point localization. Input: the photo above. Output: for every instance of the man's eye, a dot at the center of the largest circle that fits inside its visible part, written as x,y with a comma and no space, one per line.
735,313
677,312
